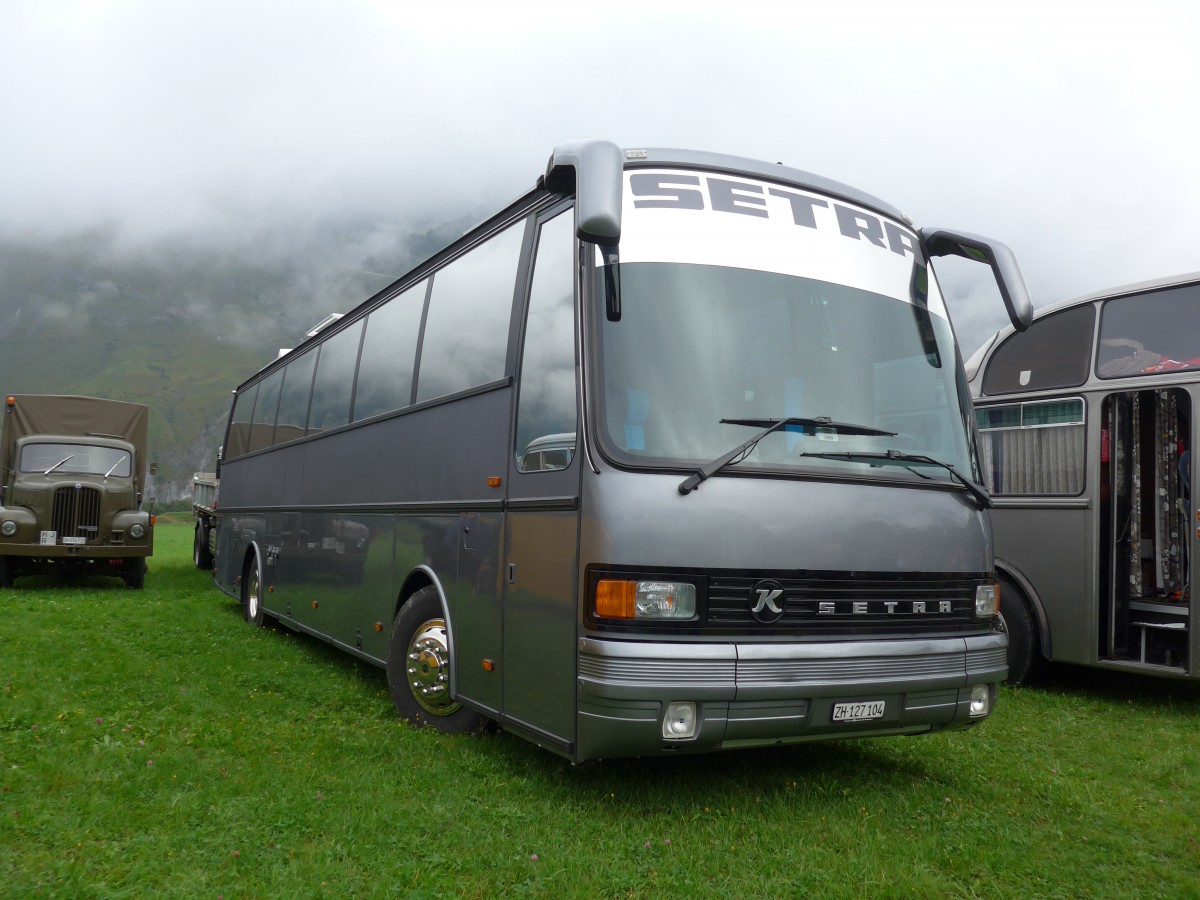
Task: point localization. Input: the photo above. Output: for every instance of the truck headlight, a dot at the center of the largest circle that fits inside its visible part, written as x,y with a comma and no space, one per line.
137,530
8,528
987,601
622,599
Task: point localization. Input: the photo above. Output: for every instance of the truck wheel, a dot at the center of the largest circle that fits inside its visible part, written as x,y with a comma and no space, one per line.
418,668
134,573
252,610
1024,644
201,556
6,573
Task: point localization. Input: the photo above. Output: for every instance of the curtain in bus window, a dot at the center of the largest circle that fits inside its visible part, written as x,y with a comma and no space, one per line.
293,400
385,368
262,430
238,440
470,308
334,383
1034,448
546,403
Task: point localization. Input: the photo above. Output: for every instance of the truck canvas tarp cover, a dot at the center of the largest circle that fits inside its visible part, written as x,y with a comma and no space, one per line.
49,414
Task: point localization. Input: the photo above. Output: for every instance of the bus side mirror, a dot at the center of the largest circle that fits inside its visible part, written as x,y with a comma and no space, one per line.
596,168
940,242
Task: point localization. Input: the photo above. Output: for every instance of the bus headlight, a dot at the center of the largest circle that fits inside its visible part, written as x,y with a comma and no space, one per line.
8,528
679,721
987,601
137,530
621,599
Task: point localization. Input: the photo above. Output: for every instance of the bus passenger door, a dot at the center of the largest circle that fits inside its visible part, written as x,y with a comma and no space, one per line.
539,630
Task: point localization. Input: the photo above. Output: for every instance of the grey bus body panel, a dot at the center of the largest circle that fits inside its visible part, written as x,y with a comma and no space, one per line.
351,522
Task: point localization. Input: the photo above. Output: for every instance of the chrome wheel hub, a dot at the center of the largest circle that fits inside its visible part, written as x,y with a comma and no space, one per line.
428,669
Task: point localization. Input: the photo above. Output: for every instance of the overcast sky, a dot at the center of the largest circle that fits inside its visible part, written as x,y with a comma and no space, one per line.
1068,130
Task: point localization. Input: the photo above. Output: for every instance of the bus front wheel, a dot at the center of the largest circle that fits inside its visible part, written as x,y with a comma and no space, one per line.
418,668
1024,645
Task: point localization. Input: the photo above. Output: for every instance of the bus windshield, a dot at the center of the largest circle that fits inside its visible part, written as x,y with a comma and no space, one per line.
751,338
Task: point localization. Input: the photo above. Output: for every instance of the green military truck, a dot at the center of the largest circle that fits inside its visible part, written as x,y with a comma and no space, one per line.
74,471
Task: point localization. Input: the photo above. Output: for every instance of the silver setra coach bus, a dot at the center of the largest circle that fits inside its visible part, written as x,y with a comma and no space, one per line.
673,454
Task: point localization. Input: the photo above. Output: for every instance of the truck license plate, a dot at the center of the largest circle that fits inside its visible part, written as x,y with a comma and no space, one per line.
74,540
862,711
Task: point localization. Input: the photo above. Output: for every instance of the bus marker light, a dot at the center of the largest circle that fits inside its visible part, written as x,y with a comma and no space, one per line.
315,604
488,665
679,722
379,626
493,481
271,589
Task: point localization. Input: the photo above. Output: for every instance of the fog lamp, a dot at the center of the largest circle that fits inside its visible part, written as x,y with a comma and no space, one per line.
136,530
981,701
8,528
987,601
679,723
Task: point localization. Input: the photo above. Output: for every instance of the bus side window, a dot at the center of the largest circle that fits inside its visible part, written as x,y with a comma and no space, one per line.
546,396
335,380
294,398
262,430
389,351
238,441
470,309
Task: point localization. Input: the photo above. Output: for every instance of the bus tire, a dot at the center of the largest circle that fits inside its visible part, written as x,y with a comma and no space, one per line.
201,556
418,668
252,608
1024,644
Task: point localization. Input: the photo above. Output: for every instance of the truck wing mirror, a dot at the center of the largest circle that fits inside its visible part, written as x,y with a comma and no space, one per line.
940,242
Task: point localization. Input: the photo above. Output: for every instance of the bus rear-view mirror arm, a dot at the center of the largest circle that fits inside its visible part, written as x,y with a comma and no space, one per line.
940,242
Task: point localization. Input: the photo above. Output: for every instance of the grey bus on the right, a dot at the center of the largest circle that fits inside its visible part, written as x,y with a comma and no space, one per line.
1088,425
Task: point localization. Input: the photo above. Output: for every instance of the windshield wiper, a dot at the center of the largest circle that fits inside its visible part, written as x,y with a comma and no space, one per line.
57,464
981,496
692,482
114,466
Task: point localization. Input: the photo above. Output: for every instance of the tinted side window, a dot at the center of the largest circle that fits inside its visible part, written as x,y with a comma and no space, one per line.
238,440
388,354
293,400
1054,353
1150,333
546,396
334,383
466,331
262,431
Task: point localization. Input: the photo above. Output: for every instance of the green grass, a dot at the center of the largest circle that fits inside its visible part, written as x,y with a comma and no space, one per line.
151,743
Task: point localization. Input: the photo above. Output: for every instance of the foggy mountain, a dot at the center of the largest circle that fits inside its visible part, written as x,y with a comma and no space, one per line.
178,323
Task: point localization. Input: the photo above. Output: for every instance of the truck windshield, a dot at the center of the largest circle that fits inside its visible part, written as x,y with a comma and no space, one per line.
76,459
757,318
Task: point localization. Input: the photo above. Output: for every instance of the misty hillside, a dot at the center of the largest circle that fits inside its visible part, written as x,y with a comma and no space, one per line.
178,325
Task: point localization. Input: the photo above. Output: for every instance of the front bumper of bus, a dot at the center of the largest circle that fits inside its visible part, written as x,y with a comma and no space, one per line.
728,695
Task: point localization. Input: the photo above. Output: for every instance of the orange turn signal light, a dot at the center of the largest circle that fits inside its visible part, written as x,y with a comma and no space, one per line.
493,481
615,599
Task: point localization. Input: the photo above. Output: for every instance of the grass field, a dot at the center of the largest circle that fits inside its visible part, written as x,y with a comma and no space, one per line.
151,743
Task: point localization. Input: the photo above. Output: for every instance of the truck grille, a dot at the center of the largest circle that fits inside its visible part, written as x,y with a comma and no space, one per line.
76,513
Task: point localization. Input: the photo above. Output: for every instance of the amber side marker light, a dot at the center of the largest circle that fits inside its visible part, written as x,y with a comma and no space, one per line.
493,481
